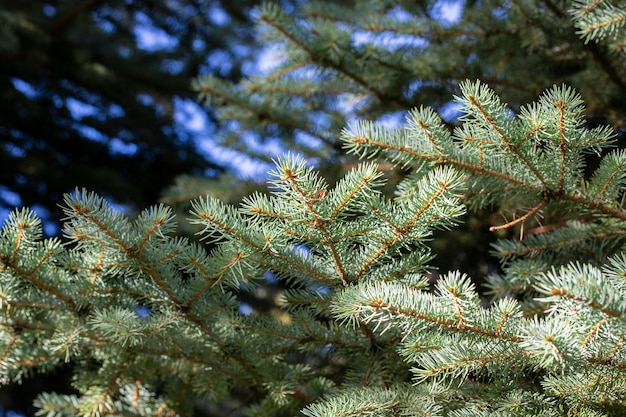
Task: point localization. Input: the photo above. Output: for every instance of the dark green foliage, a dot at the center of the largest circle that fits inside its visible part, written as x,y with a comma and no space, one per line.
88,100
362,331
356,323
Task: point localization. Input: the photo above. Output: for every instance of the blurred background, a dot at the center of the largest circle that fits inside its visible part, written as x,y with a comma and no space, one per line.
97,94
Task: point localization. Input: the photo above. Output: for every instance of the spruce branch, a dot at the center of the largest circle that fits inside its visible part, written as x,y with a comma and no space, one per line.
535,157
598,19
325,51
354,304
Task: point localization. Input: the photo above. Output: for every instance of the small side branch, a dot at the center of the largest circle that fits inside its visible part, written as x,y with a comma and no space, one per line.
520,220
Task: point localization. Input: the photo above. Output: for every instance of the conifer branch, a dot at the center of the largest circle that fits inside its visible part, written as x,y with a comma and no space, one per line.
359,140
594,205
450,325
33,279
347,313
207,88
508,143
520,219
359,80
211,280
318,222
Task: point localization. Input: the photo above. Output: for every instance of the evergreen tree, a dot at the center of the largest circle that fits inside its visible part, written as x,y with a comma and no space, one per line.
151,320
